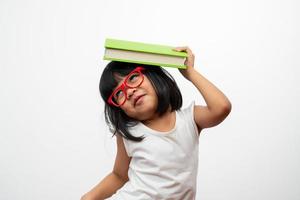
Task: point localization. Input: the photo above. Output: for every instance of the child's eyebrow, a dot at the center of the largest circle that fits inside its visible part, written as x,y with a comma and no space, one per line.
119,78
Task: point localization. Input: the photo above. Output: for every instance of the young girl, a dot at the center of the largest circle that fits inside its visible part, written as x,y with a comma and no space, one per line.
157,141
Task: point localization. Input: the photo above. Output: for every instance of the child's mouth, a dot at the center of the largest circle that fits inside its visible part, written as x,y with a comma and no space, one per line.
138,100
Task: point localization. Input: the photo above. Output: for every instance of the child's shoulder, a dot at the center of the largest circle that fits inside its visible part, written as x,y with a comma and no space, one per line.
187,112
189,109
187,115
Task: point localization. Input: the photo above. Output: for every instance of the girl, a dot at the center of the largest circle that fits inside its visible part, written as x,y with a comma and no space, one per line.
157,141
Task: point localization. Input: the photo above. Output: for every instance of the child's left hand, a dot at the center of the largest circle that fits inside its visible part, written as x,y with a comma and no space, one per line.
189,62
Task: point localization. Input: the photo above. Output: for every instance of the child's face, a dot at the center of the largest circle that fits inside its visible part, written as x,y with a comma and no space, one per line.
141,102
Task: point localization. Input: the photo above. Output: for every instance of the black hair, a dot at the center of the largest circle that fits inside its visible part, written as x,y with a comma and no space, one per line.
167,91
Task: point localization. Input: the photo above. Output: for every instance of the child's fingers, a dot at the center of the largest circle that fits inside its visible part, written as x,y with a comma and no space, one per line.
184,48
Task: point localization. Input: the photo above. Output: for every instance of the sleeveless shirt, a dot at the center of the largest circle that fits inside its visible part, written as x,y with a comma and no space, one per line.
164,165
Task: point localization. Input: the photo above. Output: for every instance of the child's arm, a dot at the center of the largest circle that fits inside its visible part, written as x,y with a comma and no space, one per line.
106,188
218,106
116,179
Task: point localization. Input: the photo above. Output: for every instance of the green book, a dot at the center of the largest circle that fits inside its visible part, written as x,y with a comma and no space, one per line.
143,53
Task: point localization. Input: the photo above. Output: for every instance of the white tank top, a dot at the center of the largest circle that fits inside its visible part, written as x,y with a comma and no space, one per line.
164,165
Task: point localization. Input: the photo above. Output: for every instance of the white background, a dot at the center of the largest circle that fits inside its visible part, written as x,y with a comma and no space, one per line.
54,143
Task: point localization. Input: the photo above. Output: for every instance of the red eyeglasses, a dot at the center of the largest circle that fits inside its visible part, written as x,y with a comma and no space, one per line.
133,79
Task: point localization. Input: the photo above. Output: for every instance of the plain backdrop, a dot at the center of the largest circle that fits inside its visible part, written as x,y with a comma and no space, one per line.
54,143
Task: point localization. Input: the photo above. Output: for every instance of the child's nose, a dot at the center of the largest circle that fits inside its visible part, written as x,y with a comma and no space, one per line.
130,92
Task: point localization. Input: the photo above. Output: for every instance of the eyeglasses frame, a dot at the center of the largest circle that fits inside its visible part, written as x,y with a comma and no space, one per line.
123,86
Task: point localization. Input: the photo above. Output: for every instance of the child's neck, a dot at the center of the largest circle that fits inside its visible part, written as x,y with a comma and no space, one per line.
163,123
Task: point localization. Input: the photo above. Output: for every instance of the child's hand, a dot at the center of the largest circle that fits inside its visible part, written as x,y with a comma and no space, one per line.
189,62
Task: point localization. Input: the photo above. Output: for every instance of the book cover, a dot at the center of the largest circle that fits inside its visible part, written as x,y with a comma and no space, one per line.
144,53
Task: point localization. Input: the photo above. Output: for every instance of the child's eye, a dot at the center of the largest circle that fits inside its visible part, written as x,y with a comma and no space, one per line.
119,94
133,77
